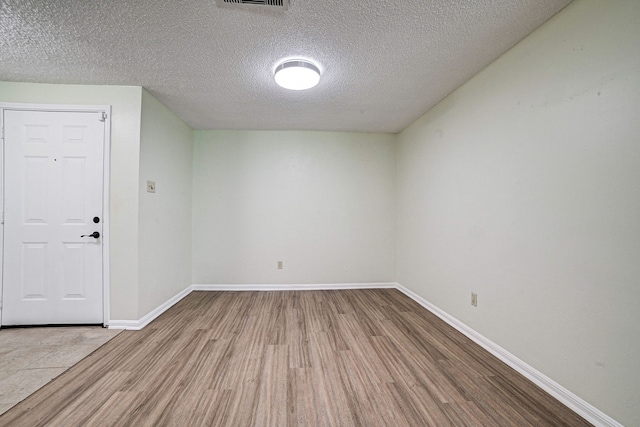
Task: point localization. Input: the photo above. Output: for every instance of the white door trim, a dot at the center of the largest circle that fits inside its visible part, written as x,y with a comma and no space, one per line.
106,109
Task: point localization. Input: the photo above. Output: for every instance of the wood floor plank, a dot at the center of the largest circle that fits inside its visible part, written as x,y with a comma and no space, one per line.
368,357
305,396
329,384
428,409
297,338
114,409
273,399
362,349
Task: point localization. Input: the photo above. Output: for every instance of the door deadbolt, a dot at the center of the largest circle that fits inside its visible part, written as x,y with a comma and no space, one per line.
96,219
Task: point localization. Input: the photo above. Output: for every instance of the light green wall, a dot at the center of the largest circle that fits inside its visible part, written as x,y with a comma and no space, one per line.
524,186
125,159
166,157
321,202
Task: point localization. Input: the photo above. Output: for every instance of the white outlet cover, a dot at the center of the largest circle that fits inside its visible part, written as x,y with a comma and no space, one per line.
151,186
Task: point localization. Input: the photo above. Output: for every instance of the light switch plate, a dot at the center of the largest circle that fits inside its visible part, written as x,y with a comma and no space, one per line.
151,186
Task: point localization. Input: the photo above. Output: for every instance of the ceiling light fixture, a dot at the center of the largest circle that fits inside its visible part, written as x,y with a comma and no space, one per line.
297,75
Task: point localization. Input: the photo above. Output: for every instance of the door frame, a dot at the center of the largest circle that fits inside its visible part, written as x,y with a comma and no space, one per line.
61,108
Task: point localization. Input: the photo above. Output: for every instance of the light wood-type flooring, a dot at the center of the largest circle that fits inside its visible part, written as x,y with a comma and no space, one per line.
292,358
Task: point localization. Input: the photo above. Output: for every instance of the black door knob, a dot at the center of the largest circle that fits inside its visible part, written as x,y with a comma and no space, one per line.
95,235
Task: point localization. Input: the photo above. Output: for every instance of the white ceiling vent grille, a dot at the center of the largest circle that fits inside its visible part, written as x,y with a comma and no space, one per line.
270,4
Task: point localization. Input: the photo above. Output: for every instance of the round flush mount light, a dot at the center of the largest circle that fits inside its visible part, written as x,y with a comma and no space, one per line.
297,74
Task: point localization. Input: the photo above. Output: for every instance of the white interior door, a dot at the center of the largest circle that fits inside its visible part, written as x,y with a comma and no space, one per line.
53,189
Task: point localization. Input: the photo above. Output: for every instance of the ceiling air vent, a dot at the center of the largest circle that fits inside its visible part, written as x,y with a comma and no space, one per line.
269,4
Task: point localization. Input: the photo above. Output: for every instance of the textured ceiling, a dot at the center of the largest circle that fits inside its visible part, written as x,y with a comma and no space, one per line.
384,63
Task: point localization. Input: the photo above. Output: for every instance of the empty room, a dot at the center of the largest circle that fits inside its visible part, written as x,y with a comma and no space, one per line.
320,213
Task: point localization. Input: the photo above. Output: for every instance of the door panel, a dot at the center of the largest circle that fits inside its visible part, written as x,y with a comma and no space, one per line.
73,271
34,257
53,189
74,199
36,175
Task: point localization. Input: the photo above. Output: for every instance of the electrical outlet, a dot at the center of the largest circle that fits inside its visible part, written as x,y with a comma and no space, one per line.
474,299
280,267
151,186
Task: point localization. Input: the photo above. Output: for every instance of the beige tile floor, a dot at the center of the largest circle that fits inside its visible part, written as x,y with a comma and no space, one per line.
31,357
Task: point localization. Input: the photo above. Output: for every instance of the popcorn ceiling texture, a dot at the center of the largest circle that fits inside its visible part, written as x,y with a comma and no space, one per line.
384,63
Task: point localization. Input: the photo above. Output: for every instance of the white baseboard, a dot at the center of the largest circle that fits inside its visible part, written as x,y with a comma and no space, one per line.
293,287
136,325
133,325
575,403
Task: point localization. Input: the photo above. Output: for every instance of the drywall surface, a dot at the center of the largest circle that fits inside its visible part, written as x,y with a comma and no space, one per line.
321,202
166,158
524,186
125,146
